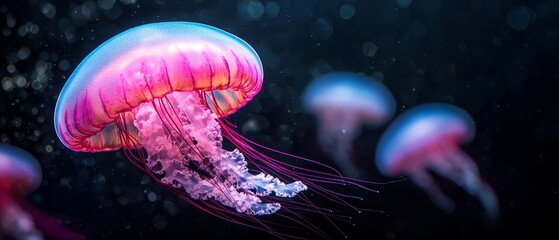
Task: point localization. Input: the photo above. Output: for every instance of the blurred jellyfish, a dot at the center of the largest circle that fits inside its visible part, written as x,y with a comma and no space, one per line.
20,174
427,139
166,88
342,102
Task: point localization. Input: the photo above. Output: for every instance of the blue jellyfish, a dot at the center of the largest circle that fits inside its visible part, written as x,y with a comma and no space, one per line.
427,139
342,103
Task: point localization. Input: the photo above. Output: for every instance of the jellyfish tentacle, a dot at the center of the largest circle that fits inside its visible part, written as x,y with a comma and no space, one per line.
338,145
425,181
337,131
15,221
263,184
459,168
462,170
474,184
489,201
191,157
234,162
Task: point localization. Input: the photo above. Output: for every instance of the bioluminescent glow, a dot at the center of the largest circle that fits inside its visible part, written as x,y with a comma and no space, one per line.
166,88
427,138
342,102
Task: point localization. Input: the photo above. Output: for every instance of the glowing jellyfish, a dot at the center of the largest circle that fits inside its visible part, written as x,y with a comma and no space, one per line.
427,138
20,174
342,103
165,88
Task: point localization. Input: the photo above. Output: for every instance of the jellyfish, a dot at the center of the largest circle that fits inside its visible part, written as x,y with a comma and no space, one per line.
161,92
342,102
427,139
21,174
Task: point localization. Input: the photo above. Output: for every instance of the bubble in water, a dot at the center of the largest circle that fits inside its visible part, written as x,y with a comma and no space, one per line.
7,84
378,76
370,49
170,207
404,3
520,17
89,10
255,9
20,81
34,28
48,10
160,222
272,9
106,4
16,122
347,11
255,123
23,53
251,9
321,29
320,67
11,22
11,68
152,197
418,28
128,2
64,65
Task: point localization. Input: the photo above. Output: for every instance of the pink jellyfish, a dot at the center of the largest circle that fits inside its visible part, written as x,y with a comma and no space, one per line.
342,102
427,139
166,88
20,174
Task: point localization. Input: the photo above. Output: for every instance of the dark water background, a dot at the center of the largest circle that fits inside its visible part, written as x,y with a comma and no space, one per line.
497,59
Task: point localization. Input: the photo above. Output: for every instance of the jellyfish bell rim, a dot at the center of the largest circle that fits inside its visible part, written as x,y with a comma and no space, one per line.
167,35
19,168
331,90
391,155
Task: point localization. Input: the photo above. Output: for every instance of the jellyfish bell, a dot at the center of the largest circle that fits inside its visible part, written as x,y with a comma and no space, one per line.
342,102
20,172
144,64
428,130
161,92
369,101
427,139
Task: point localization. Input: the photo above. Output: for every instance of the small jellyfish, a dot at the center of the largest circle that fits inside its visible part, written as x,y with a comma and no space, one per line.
342,102
427,139
20,174
162,92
